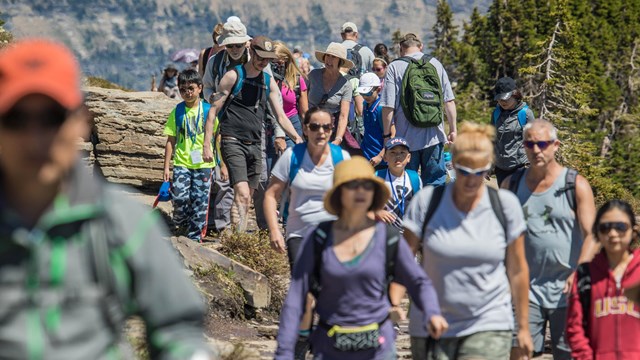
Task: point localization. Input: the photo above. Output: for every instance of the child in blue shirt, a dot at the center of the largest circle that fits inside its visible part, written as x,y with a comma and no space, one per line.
372,142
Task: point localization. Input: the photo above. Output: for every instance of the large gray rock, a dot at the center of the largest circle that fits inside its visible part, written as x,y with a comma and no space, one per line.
128,144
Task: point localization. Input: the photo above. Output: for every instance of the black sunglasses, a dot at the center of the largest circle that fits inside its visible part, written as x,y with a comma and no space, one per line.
19,119
234,46
541,144
365,184
620,227
316,127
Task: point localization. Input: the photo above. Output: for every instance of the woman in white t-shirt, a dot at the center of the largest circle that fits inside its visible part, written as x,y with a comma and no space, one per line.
473,250
313,166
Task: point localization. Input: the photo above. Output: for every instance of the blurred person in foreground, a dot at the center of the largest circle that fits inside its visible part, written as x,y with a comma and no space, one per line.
78,257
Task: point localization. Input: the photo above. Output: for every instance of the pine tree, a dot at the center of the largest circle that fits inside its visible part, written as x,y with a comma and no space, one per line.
445,38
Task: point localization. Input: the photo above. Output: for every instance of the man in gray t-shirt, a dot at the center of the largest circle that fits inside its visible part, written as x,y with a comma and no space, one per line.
558,235
349,33
427,144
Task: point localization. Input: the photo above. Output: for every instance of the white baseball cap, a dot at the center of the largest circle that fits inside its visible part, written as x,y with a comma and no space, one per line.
348,26
367,82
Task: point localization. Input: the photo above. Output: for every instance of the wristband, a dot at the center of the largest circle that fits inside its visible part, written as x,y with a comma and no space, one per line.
386,136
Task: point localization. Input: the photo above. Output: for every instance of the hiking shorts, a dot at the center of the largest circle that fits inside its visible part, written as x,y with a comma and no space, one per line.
483,345
243,160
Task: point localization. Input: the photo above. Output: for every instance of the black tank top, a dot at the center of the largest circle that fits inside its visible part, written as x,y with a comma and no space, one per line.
244,116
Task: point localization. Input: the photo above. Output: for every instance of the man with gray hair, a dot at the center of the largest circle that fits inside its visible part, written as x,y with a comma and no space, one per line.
427,143
559,210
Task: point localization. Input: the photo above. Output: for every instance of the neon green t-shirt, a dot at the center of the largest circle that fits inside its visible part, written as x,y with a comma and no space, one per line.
191,137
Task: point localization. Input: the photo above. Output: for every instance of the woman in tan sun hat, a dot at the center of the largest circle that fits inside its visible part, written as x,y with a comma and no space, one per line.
347,265
330,90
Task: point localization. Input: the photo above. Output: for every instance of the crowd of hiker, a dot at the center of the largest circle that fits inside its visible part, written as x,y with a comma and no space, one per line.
360,174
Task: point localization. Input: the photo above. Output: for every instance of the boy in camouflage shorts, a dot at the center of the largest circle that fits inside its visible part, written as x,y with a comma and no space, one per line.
191,174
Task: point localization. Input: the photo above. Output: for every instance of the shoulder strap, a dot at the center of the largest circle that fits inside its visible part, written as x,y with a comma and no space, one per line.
496,205
320,235
181,110
495,116
570,188
514,181
216,69
205,111
297,154
391,240
237,87
336,154
583,277
522,115
382,173
436,197
414,179
267,82
357,47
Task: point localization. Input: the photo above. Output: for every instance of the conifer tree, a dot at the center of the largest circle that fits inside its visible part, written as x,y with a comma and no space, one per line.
445,38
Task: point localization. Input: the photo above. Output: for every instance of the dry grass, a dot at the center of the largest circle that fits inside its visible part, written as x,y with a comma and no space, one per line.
254,251
232,297
102,83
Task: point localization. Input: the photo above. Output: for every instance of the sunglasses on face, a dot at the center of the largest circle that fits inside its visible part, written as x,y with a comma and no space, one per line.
234,46
620,227
370,93
465,171
19,119
365,184
317,127
541,144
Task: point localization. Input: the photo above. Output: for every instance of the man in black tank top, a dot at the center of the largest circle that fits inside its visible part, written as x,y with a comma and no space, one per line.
240,104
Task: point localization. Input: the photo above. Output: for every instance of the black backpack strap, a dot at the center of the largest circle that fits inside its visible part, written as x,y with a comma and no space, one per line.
496,205
320,235
216,68
436,196
570,188
514,180
391,254
583,277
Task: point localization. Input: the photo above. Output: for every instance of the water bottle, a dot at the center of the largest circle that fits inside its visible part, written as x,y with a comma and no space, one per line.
449,166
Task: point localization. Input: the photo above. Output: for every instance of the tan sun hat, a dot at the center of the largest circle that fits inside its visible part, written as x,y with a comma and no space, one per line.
356,168
233,32
338,50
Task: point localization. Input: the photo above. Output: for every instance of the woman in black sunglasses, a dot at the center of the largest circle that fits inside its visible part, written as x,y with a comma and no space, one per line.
509,117
601,322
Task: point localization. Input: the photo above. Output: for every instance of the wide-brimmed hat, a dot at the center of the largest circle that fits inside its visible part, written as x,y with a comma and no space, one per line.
356,168
233,32
504,88
338,50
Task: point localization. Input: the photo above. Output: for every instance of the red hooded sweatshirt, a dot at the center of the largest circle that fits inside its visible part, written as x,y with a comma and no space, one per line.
614,321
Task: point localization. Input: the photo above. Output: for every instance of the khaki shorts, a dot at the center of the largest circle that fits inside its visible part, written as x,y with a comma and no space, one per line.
484,345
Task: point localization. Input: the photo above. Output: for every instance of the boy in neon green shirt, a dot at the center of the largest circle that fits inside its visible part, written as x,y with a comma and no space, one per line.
191,182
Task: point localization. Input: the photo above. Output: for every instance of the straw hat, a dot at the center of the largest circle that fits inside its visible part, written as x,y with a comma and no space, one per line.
233,32
338,50
356,168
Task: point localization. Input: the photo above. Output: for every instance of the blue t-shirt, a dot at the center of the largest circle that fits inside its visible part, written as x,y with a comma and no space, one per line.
372,142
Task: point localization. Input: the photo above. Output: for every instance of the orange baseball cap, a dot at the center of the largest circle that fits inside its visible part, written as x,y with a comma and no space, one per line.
38,66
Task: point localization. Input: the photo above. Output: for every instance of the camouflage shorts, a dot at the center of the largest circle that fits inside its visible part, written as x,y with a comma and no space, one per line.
484,345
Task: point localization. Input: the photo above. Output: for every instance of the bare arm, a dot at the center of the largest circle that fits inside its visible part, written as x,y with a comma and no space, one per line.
387,119
343,120
217,100
303,104
281,117
586,214
518,274
270,206
359,104
168,154
452,115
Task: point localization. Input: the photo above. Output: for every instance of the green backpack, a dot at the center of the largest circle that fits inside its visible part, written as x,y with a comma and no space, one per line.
421,94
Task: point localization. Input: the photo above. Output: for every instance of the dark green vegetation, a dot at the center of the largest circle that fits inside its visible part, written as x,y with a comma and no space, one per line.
578,65
5,36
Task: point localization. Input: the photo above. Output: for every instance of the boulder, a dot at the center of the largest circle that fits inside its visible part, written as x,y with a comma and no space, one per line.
127,139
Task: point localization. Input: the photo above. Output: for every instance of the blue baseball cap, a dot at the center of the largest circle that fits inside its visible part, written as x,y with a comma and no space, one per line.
164,194
397,141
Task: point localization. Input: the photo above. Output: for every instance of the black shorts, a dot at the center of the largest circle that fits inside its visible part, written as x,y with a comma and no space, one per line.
293,248
243,160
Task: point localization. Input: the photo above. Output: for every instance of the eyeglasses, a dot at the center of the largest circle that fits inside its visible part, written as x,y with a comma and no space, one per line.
541,144
317,127
365,184
261,59
234,46
465,171
189,89
376,69
19,119
619,227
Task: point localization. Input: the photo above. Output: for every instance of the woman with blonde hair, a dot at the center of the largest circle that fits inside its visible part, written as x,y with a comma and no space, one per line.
292,86
345,264
472,238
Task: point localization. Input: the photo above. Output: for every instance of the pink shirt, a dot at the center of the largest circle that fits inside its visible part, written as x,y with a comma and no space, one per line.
289,103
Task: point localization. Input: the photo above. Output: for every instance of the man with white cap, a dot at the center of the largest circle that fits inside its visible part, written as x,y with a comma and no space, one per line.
349,33
240,102
78,256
